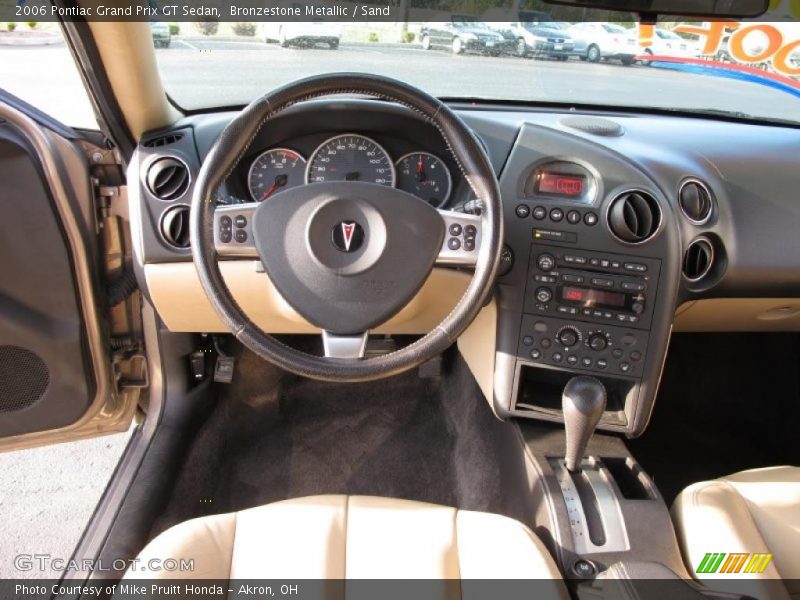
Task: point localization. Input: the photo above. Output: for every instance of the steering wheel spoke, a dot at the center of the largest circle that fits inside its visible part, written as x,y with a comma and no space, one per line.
462,239
344,346
233,231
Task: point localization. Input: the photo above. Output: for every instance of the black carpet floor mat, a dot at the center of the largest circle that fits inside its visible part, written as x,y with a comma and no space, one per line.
274,436
727,402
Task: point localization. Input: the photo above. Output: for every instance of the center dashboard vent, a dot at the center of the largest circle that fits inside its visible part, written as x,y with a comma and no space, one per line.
695,201
698,260
634,216
168,178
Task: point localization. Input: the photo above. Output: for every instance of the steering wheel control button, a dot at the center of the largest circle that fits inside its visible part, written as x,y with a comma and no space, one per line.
546,262
455,229
225,236
539,213
240,221
590,219
523,211
347,236
469,244
470,231
573,217
556,215
454,243
240,236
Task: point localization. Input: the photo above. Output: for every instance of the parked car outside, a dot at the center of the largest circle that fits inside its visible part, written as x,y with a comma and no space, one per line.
162,37
604,41
532,33
669,43
302,34
464,34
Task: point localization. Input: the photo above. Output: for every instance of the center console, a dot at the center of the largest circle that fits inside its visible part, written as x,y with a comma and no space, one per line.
589,279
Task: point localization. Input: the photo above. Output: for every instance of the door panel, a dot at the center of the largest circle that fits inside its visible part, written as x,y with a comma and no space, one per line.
55,368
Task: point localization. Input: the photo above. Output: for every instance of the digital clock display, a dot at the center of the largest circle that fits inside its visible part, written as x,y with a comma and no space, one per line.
559,184
593,297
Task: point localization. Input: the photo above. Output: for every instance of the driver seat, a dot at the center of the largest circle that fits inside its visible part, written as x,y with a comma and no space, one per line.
353,537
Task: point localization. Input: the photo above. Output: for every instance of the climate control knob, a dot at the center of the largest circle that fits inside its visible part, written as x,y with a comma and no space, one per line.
568,336
597,341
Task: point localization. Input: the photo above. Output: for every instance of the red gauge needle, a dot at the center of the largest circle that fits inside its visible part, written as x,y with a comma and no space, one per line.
420,169
279,182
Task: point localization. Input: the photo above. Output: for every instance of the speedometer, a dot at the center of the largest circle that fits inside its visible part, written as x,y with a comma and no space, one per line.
350,157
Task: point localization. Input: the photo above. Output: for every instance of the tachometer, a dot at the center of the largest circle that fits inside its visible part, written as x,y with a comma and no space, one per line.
275,170
426,176
350,157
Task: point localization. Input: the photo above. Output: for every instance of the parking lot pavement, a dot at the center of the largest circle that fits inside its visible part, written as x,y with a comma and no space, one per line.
47,496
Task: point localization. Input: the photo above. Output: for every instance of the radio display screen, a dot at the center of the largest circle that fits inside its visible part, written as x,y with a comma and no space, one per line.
559,184
593,297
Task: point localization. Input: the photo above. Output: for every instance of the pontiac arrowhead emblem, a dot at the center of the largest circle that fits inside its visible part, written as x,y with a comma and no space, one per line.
348,236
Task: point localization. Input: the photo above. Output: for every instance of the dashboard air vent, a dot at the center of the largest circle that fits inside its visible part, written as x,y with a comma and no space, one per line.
634,217
164,140
168,178
698,260
695,201
175,226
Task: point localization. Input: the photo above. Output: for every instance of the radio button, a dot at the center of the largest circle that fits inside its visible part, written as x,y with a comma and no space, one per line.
586,362
544,295
637,267
557,357
568,310
572,278
595,262
572,359
523,211
633,286
573,217
615,264
590,219
637,307
607,283
546,262
539,213
601,363
556,214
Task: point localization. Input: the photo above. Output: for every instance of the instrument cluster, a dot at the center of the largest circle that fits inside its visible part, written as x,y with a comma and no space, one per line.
349,157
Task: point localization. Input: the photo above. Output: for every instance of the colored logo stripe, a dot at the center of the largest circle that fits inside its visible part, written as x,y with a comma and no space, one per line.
736,562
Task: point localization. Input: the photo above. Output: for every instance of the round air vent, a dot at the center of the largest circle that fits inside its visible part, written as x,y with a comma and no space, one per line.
175,226
698,260
168,178
634,217
695,201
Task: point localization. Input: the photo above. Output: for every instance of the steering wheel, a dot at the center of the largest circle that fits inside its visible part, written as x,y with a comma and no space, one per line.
346,255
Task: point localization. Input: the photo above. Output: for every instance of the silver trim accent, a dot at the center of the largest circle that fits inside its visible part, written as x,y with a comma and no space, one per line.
171,210
344,346
265,152
446,170
154,158
699,240
703,185
638,191
330,139
607,504
234,249
459,257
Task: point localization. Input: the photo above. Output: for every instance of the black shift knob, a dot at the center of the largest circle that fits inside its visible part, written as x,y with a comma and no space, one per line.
583,403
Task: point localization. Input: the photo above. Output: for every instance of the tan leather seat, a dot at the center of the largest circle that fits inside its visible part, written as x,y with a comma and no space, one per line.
354,537
751,512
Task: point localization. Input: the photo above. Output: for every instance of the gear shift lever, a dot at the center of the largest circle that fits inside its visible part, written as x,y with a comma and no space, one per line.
582,402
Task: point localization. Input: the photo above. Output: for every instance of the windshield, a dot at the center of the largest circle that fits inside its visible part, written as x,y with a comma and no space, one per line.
741,70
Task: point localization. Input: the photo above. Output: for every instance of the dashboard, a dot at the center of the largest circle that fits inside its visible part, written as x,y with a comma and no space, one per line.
618,228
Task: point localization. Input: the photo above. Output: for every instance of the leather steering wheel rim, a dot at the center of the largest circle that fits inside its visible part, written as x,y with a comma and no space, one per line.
234,142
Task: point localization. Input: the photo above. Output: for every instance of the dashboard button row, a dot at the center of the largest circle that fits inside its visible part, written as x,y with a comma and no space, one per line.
540,213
